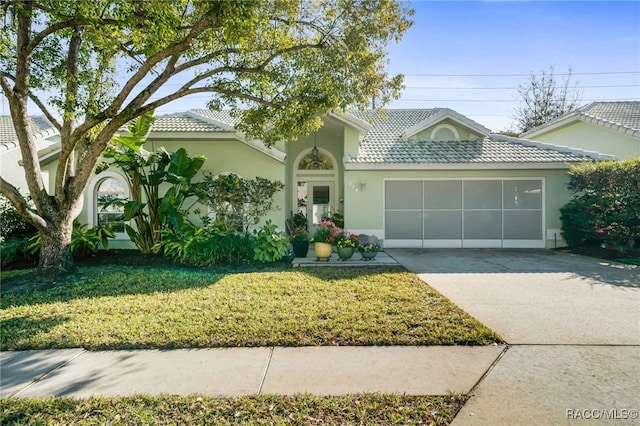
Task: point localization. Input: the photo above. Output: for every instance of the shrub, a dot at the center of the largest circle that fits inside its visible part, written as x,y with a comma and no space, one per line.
205,246
83,241
12,250
605,209
12,225
271,244
235,201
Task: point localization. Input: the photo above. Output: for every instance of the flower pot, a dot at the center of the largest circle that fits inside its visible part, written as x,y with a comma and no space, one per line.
368,255
300,248
345,253
323,251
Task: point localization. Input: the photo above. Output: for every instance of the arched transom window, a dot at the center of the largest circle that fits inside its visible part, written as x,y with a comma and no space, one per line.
315,160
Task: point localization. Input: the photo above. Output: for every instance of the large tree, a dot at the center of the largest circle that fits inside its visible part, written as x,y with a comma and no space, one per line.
543,98
91,66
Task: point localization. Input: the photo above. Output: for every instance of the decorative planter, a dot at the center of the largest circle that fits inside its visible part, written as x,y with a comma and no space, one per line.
368,255
345,253
323,251
300,248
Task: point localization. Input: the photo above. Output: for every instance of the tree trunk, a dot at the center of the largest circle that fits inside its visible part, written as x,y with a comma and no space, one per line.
55,252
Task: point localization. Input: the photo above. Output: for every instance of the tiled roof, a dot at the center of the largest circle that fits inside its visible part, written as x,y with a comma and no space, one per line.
184,122
220,116
389,124
489,150
385,144
625,114
39,126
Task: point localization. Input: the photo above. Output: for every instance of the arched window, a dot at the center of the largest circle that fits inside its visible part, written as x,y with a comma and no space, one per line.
107,190
315,160
444,132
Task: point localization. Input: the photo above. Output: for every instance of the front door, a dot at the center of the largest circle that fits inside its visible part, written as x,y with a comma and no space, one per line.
320,202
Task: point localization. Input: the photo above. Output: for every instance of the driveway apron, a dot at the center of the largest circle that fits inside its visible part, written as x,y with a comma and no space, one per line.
572,323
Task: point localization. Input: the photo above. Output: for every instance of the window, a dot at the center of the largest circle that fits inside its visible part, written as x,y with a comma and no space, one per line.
315,161
107,214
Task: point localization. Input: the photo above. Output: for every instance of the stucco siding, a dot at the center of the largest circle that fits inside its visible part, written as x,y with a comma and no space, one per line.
591,137
222,156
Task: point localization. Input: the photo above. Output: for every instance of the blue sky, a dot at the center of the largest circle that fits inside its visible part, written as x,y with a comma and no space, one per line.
471,56
495,38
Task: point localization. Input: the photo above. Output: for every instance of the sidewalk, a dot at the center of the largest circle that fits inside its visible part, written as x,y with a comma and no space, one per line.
324,370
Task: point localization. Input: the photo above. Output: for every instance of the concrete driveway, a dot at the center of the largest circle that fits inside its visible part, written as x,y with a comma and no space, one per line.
572,324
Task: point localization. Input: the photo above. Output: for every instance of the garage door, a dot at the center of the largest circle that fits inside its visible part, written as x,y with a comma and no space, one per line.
464,213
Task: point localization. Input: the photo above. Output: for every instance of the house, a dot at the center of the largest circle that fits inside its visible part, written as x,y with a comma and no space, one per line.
612,127
412,177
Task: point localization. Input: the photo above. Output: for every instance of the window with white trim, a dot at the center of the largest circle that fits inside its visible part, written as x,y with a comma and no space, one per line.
108,213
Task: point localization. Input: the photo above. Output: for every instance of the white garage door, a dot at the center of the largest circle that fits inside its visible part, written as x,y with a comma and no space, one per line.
464,213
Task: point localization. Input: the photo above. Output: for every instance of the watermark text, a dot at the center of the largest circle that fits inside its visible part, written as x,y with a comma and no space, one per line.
602,413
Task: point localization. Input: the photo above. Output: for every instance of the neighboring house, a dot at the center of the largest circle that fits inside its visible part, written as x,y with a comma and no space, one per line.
413,177
611,127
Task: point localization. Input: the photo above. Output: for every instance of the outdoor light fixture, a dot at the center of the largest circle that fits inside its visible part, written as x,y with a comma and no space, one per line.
363,185
315,152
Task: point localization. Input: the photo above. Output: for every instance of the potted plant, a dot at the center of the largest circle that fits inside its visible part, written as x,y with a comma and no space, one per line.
346,243
323,238
369,247
300,242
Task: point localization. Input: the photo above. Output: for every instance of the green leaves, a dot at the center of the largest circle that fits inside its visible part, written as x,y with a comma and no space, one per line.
605,209
139,130
150,171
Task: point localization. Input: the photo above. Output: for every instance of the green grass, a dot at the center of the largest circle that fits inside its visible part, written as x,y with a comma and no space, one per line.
629,260
370,409
110,307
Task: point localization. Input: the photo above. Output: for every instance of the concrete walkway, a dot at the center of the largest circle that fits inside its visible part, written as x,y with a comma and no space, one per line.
424,370
572,324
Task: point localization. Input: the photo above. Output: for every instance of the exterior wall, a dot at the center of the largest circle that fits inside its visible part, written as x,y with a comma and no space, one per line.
222,156
13,172
592,137
364,208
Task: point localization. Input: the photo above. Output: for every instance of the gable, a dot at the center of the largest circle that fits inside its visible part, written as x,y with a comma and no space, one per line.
446,124
447,129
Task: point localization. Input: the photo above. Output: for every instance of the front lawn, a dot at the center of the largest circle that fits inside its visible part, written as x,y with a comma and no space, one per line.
127,307
370,409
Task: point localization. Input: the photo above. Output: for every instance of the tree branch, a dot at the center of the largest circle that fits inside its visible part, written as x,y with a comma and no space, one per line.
36,100
21,204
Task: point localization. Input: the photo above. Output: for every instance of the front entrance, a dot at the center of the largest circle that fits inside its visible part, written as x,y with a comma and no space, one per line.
316,186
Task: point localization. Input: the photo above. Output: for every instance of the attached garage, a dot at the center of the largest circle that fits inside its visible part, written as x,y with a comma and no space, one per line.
461,213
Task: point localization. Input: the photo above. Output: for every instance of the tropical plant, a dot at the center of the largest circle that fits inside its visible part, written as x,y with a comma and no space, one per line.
146,173
83,241
91,67
235,201
205,246
271,244
13,249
